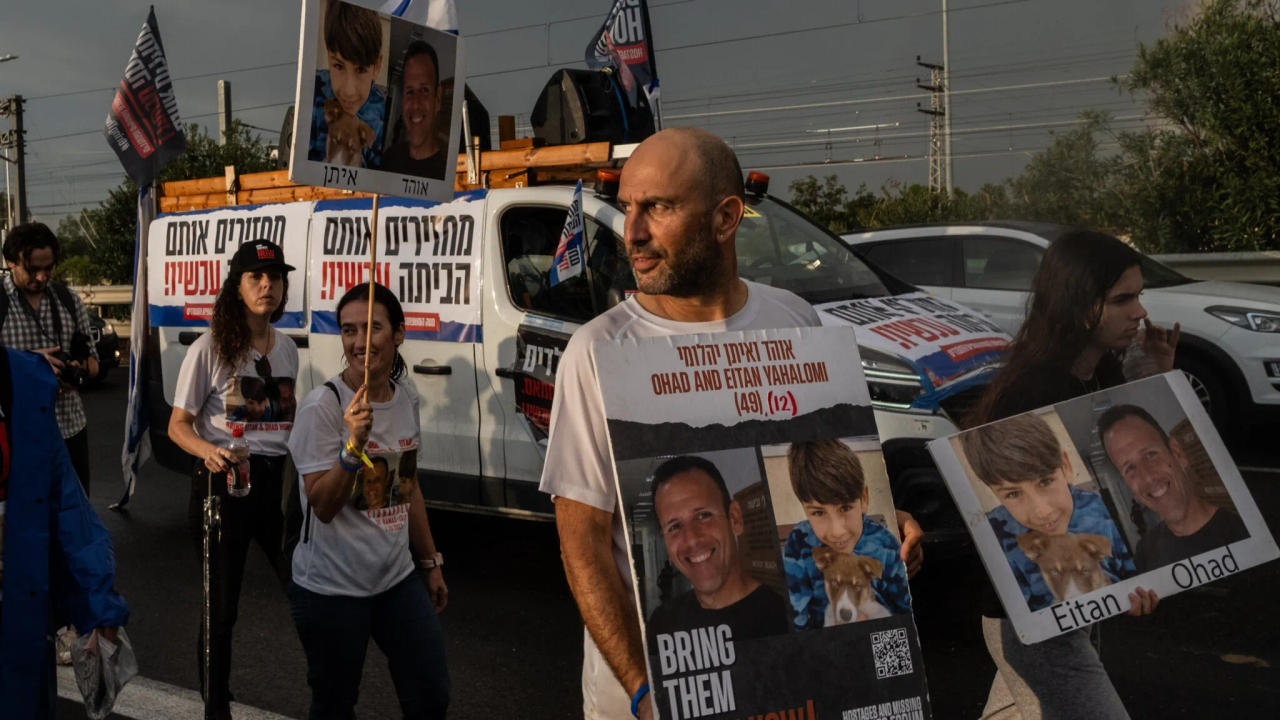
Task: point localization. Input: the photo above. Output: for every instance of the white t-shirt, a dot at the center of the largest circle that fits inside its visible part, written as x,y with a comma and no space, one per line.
364,549
578,464
222,399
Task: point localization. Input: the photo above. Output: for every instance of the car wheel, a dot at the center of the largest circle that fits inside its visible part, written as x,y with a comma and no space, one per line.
1209,386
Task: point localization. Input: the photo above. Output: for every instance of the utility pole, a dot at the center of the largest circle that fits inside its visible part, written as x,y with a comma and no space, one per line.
946,100
224,110
12,107
937,116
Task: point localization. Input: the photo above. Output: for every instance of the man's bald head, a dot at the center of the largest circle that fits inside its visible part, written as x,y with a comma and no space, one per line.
719,165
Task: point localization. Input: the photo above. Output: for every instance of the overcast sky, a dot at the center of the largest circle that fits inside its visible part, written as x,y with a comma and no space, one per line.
777,79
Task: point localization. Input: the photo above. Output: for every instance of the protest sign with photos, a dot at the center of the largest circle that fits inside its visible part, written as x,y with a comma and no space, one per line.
1074,506
764,545
376,107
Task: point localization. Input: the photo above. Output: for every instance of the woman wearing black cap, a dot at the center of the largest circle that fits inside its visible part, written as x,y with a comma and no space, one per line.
231,379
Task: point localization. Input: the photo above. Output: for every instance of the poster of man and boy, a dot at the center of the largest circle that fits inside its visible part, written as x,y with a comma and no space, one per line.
376,107
1076,505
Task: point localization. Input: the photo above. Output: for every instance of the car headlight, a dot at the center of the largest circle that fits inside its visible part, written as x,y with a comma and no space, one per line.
1256,320
892,383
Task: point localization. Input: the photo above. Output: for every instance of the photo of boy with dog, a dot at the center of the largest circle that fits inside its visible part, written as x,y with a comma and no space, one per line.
1078,508
842,560
350,101
384,117
1059,537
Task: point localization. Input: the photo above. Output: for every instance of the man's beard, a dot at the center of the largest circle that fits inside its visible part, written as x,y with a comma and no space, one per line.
690,272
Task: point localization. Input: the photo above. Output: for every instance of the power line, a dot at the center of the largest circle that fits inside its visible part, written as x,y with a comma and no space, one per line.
177,79
861,101
779,33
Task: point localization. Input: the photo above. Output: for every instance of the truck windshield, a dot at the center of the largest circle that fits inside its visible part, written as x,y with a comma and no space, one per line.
777,245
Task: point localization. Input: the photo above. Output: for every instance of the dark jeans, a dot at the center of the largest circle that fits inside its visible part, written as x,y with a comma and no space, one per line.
78,449
255,516
335,632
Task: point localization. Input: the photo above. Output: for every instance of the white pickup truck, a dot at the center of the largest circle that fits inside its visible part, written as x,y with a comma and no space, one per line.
485,327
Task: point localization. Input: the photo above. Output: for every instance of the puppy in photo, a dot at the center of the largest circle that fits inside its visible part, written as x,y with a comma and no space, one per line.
1071,564
848,583
863,563
348,136
1041,511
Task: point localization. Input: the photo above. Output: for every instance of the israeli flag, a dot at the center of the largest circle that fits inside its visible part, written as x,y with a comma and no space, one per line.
571,252
439,14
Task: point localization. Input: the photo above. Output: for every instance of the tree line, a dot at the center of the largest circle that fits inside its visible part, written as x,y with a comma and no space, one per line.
1204,176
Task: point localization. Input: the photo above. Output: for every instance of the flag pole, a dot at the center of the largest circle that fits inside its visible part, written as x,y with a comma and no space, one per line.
373,266
655,99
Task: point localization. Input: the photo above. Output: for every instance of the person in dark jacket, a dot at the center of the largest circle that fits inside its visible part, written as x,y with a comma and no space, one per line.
58,562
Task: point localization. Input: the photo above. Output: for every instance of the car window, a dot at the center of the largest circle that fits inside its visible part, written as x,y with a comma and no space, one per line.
530,235
999,263
778,246
924,261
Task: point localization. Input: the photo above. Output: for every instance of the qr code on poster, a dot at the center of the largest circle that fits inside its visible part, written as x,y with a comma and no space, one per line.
892,653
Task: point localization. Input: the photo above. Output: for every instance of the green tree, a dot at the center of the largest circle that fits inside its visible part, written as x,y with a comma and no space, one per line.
105,235
1071,181
1209,178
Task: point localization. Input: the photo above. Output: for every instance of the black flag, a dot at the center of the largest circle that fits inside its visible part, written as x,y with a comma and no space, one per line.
625,43
142,126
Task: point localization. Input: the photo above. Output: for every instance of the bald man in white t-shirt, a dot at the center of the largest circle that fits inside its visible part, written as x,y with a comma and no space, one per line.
682,194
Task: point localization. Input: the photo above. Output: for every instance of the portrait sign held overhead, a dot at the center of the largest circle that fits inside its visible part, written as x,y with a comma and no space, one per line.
1075,506
763,540
376,107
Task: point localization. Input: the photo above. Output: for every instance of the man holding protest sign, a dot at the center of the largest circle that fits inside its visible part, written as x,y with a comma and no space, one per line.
682,193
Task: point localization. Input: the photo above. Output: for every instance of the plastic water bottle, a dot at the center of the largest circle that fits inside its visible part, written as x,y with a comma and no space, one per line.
238,475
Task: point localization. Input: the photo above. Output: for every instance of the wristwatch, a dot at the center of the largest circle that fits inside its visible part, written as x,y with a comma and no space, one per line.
432,562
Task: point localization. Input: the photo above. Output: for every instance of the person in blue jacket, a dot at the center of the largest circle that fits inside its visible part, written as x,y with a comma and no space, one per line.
58,560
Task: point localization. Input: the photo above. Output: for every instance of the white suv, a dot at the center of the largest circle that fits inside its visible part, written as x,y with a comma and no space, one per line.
1230,346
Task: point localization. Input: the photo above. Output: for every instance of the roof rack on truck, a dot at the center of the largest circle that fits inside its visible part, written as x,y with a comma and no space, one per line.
517,163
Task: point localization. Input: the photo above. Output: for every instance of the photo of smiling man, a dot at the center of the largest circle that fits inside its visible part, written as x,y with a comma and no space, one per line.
700,525
419,147
1157,470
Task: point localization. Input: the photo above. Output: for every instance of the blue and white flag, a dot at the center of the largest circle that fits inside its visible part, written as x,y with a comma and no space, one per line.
571,252
439,14
137,421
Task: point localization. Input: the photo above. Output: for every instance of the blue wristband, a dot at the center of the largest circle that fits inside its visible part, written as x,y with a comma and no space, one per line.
635,699
343,462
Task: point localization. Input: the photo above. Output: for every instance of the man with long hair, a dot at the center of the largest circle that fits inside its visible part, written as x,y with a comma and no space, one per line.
1084,313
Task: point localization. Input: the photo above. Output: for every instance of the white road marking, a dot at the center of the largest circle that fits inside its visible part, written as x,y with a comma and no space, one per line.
144,699
1275,471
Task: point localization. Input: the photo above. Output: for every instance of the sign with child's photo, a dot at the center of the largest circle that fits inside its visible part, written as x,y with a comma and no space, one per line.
1075,506
375,106
764,544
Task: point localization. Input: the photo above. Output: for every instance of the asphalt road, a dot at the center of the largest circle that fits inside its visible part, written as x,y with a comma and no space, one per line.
514,637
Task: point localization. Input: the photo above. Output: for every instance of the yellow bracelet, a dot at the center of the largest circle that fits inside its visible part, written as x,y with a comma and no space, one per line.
353,451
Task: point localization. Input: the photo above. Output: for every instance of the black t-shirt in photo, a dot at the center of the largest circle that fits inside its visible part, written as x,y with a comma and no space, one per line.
760,614
1160,547
398,160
